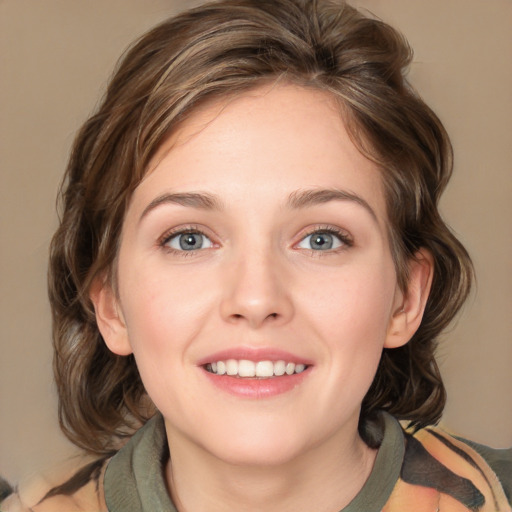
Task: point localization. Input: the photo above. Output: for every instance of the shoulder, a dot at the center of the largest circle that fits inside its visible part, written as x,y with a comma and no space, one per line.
75,486
500,460
475,476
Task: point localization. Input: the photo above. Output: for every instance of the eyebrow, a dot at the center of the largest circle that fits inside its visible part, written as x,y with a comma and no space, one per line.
306,198
296,200
201,201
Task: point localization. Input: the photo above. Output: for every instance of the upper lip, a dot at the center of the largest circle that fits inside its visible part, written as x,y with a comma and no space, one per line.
255,355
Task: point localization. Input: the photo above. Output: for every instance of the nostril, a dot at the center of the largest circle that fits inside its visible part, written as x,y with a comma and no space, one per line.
238,315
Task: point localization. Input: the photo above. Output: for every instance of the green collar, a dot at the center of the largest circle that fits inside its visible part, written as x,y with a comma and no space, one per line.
135,477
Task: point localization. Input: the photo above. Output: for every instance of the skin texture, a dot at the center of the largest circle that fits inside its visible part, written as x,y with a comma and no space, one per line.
259,284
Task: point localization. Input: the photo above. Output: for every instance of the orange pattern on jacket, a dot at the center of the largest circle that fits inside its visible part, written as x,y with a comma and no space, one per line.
432,494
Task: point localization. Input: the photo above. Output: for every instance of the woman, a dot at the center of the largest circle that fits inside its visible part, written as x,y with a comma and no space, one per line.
251,255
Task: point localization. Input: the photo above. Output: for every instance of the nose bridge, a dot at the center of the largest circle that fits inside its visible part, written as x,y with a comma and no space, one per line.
257,291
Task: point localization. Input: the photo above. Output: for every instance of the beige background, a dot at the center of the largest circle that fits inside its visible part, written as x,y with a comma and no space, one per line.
55,57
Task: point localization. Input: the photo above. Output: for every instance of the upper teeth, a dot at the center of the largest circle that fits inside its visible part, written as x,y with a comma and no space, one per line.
246,368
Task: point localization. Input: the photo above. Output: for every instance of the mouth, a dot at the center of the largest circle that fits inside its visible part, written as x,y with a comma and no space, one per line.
256,373
246,369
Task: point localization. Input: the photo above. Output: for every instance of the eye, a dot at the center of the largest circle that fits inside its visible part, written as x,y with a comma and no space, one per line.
188,241
323,240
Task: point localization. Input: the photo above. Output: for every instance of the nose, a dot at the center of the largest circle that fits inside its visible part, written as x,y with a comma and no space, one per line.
257,291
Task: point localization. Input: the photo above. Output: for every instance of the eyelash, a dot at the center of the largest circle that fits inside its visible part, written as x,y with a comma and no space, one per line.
342,236
169,235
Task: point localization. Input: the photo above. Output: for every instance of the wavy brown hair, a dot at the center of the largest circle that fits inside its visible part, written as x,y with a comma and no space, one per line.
216,50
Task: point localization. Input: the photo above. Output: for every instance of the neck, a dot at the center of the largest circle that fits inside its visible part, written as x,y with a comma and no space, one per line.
325,478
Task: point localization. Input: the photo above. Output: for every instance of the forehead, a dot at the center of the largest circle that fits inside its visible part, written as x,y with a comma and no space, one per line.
274,139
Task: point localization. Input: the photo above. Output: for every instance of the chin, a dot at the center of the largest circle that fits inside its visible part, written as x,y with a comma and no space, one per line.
266,441
257,452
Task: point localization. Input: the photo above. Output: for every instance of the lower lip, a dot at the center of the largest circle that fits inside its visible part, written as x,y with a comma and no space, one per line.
257,388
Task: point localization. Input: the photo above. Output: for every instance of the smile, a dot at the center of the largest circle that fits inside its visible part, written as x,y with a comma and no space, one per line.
244,368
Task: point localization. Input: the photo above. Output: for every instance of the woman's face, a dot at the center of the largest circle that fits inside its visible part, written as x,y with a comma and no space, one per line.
257,245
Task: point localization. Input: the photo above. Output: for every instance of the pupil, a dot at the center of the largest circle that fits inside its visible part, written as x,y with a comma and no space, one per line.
190,241
322,241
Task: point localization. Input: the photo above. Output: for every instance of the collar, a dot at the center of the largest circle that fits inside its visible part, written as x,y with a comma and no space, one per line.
135,476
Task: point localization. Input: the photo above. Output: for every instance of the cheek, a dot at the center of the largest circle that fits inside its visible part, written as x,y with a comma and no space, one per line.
163,318
163,311
355,303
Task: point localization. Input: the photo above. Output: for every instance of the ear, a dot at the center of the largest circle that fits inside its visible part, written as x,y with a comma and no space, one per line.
410,305
109,317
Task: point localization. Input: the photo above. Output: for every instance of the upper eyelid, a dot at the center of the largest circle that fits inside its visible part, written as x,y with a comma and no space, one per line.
342,233
326,229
